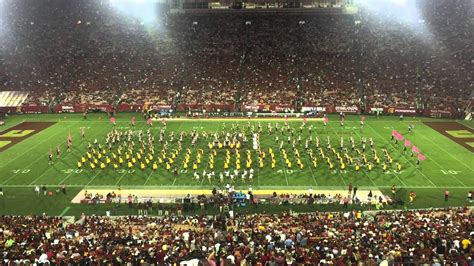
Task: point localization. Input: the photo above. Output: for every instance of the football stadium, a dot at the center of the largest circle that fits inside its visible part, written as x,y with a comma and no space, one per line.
309,132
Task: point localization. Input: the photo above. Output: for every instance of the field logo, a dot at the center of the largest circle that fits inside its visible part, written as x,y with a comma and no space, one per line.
20,132
4,143
456,132
462,134
16,133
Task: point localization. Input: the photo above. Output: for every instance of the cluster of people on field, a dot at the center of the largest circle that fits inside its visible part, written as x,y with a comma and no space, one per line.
100,56
437,237
240,145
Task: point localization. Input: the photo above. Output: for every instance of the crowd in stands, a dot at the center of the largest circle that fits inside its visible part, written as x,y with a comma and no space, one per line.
436,237
87,52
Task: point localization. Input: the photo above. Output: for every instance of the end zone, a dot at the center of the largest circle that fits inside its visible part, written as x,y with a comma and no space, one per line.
456,132
20,132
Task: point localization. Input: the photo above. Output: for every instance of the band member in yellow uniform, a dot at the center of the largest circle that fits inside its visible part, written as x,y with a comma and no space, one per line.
399,167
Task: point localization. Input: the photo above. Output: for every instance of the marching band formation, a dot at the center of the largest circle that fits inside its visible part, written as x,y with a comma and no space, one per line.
240,148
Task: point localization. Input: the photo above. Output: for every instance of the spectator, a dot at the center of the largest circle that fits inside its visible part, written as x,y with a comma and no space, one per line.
395,237
109,58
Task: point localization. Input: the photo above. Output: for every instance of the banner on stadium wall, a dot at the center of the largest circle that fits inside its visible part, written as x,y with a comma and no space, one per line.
439,113
253,108
160,107
210,107
30,109
7,110
394,110
376,110
67,109
34,109
435,111
313,109
275,114
405,111
347,109
283,108
103,108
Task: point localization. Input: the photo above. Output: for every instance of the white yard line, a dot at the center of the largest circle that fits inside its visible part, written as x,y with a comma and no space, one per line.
36,179
120,178
148,178
339,173
207,161
98,172
192,151
258,174
27,167
439,147
401,155
34,146
80,144
64,211
464,124
310,167
399,179
283,167
14,125
441,167
64,179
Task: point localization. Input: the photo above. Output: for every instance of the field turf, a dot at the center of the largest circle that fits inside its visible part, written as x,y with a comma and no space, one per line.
448,165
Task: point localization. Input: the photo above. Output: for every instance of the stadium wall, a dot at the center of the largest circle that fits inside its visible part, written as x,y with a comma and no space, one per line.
79,108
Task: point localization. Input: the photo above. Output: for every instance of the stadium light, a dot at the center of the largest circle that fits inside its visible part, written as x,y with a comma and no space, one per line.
144,11
405,12
405,15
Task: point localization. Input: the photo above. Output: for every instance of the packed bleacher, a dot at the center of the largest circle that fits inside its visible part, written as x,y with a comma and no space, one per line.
434,237
87,52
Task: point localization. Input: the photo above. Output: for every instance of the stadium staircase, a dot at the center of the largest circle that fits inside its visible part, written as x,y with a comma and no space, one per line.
468,110
12,98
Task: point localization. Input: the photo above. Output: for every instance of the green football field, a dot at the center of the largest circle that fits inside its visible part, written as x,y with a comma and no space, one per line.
24,165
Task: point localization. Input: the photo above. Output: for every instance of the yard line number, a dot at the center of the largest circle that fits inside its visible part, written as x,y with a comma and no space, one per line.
72,171
21,171
450,172
123,171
